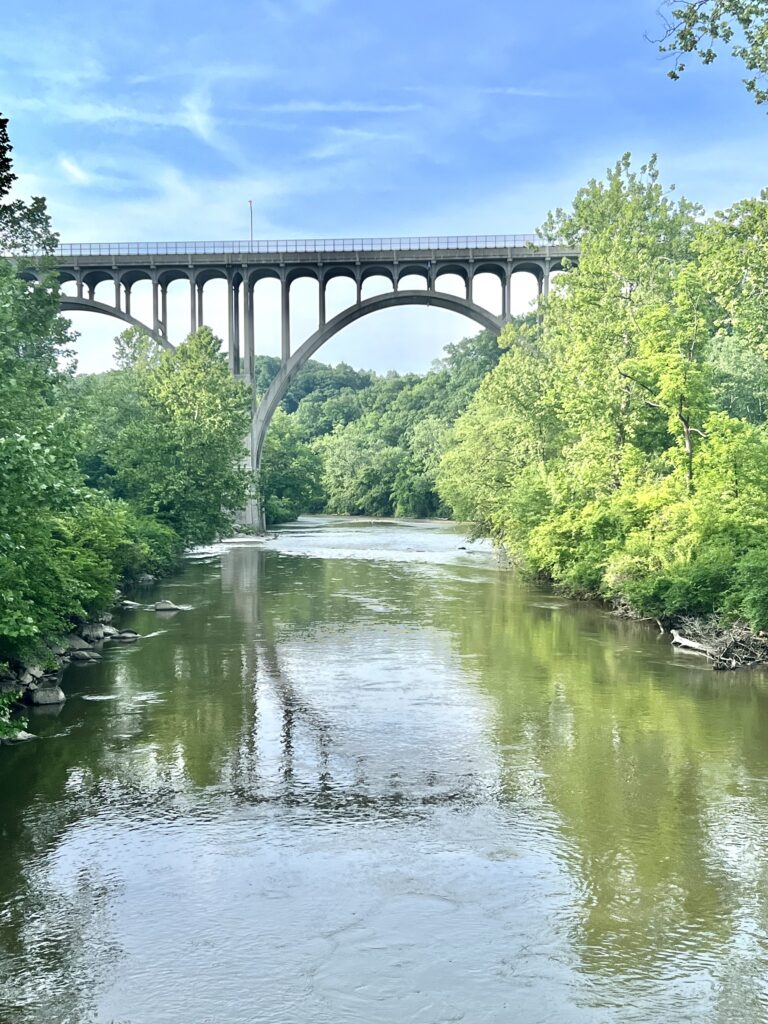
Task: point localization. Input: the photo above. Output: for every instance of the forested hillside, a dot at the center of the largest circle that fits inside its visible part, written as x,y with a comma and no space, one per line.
361,444
620,448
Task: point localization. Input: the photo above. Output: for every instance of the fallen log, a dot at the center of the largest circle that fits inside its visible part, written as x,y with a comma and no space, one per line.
690,645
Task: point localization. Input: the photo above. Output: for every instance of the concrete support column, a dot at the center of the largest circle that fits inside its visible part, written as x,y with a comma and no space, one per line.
117,293
192,308
248,347
200,320
155,307
91,291
545,279
505,297
233,342
164,308
79,287
128,299
359,291
469,285
321,317
285,319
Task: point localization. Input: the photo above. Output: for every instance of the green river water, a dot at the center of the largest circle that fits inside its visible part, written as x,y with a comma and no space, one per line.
369,777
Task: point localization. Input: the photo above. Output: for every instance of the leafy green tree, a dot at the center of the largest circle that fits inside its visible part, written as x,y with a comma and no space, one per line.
698,26
289,480
165,433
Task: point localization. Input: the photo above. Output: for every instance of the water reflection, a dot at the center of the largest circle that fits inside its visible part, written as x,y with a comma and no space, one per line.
372,777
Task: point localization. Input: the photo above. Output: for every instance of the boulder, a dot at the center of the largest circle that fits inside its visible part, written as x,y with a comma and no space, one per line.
127,636
18,737
130,604
47,695
146,578
92,655
76,643
92,631
81,655
166,606
109,632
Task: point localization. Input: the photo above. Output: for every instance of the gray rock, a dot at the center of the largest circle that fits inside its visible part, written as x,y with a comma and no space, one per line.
47,695
109,632
19,737
76,643
92,655
36,672
92,631
166,606
130,604
127,636
146,578
81,655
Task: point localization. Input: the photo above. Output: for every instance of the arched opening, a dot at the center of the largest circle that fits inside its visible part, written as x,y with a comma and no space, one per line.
345,319
376,282
452,282
488,290
266,312
523,292
340,292
304,306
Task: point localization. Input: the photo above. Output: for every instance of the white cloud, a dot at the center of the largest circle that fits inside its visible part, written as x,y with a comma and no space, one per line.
73,171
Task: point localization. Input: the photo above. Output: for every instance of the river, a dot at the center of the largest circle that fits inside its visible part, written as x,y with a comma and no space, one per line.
367,776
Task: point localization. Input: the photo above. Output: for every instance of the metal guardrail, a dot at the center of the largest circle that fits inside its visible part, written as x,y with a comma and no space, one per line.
295,245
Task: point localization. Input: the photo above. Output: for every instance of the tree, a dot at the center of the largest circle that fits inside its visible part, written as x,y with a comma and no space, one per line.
697,26
289,481
165,433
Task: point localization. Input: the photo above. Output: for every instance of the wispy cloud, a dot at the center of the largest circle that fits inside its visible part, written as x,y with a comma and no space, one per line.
74,172
337,107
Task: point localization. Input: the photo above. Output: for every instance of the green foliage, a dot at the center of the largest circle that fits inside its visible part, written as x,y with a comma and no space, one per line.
289,481
697,26
10,722
106,477
621,447
165,433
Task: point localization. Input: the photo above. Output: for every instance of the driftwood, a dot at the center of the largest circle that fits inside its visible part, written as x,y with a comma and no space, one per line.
727,647
690,645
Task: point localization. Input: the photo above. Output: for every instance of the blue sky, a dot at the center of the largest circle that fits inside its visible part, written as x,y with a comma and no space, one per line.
158,121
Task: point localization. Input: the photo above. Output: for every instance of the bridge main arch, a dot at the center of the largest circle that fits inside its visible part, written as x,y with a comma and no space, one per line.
288,370
70,304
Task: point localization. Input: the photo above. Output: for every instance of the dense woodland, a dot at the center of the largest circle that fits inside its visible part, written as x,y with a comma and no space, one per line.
613,442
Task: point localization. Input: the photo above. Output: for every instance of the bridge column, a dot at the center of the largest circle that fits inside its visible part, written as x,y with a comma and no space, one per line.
200,320
234,326
321,316
164,308
117,293
79,287
155,305
545,279
359,291
128,299
248,347
505,296
285,319
192,308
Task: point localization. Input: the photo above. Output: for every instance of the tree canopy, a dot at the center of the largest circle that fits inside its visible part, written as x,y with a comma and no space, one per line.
699,26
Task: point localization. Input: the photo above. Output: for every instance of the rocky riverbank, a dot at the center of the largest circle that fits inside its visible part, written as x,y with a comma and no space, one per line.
38,683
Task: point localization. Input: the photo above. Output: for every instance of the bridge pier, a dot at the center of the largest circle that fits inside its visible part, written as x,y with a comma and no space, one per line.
192,307
285,322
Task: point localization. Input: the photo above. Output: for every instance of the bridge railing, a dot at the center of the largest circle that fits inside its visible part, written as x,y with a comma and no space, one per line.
301,245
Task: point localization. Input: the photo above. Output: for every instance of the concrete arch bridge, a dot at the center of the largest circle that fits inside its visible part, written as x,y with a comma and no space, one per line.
243,264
